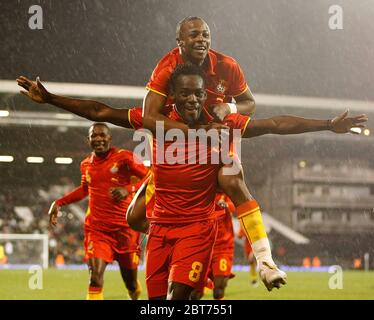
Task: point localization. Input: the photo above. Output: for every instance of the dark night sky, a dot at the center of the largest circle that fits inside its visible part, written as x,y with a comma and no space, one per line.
283,46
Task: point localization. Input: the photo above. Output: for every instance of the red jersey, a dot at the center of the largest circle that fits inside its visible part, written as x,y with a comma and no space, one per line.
224,77
99,176
185,193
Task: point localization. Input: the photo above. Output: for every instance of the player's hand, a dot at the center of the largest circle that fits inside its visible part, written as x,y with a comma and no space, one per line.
216,126
219,111
222,130
344,124
34,90
53,212
213,125
118,194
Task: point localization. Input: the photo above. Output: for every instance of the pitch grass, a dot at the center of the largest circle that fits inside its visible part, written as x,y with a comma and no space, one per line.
72,285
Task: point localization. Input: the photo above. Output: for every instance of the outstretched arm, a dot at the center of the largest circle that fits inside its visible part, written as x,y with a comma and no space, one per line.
295,125
152,112
89,109
245,103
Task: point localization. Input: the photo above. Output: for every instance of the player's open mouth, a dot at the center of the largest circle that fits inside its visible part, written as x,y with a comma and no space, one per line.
200,49
192,108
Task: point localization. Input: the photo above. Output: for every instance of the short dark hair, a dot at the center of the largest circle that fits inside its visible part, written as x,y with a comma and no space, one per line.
185,69
183,21
99,124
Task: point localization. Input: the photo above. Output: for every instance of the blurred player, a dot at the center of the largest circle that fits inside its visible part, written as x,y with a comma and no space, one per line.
223,250
249,256
106,177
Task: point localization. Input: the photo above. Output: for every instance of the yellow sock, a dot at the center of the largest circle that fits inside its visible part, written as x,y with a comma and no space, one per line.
253,271
95,293
250,218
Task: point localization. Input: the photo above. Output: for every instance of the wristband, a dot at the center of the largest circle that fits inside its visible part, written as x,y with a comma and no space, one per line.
233,108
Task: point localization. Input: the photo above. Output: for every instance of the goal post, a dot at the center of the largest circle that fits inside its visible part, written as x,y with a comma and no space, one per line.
19,250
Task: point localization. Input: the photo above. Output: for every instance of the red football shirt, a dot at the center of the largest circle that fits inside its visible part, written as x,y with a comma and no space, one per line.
99,176
184,192
224,77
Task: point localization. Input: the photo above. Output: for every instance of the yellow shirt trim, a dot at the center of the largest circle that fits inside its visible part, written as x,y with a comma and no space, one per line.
246,125
150,89
241,92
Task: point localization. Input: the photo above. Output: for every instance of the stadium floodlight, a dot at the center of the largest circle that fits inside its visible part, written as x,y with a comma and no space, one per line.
4,113
34,159
63,160
24,250
6,158
302,163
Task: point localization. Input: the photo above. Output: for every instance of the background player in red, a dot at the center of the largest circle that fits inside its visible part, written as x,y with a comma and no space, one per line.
249,256
223,250
106,178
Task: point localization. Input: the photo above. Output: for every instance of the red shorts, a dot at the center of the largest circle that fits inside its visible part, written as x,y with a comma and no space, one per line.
223,250
121,245
178,253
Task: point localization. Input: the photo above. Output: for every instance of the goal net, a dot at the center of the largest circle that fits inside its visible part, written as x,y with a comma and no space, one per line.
19,251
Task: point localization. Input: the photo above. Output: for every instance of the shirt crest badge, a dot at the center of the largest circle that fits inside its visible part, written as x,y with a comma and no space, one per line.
114,169
88,177
221,86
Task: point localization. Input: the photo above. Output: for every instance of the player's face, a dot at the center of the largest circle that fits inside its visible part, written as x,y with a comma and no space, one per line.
194,41
99,139
189,96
